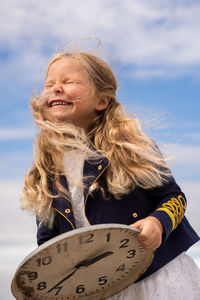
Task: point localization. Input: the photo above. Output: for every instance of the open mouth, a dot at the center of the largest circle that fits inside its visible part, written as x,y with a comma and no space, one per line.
60,102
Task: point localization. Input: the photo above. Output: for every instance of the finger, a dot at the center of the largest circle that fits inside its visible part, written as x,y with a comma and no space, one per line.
149,245
152,243
146,233
148,239
139,225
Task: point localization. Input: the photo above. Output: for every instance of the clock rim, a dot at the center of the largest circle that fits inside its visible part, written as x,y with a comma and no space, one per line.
73,233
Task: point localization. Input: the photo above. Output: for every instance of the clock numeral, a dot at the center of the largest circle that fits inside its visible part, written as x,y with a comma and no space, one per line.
86,239
32,275
124,243
80,289
108,235
61,247
102,280
44,261
131,253
58,288
41,286
121,268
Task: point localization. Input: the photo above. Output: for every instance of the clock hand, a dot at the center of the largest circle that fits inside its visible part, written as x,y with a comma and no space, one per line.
86,263
61,281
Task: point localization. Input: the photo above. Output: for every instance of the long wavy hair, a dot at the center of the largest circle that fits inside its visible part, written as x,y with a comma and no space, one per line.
135,160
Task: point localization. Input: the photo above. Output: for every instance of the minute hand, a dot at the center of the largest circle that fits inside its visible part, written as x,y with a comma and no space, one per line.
86,263
61,281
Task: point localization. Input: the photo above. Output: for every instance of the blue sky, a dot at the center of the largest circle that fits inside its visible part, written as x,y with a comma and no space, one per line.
154,48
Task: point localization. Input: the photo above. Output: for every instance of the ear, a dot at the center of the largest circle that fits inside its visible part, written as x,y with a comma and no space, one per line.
102,103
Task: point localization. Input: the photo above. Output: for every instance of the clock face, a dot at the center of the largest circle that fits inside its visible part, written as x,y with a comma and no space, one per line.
89,263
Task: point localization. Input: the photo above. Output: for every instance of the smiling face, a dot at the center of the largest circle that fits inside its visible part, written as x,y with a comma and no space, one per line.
67,94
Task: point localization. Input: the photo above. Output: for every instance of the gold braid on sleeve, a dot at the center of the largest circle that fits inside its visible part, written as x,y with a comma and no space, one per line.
175,208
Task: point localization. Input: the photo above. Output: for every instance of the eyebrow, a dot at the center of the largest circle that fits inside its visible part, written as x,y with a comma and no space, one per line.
48,82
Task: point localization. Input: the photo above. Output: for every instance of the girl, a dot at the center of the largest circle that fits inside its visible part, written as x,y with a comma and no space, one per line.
94,165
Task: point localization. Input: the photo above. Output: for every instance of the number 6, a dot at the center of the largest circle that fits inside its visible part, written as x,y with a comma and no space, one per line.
80,289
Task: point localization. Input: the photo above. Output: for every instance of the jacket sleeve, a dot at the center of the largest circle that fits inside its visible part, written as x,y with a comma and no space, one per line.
170,204
44,233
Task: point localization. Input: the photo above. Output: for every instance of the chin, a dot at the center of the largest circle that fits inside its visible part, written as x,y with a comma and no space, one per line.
55,118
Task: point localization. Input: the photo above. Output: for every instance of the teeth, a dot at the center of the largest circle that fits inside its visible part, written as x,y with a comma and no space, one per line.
58,103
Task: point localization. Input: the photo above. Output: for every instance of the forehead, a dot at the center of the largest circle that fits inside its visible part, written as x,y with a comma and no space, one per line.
66,66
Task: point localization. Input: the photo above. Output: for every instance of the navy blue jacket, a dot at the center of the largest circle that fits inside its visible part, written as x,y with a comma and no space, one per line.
167,203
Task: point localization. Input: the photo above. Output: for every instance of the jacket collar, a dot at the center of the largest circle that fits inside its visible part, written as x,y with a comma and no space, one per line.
92,170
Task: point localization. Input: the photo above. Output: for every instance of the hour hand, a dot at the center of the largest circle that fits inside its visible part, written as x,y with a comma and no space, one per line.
87,262
84,263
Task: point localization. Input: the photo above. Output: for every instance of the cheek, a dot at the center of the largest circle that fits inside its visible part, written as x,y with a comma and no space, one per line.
44,97
78,91
43,100
70,91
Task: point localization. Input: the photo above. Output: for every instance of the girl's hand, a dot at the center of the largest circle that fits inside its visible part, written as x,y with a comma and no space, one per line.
150,236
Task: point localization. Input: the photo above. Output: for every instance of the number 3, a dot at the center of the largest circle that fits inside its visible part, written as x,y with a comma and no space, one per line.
131,253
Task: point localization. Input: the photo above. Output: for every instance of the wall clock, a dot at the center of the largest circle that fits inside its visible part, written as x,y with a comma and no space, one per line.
93,262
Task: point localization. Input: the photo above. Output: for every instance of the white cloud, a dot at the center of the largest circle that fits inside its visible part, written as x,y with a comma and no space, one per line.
15,163
185,162
13,220
186,156
170,71
160,38
17,236
192,192
185,168
16,133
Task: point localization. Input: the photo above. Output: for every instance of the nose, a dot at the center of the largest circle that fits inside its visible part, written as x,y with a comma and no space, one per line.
57,88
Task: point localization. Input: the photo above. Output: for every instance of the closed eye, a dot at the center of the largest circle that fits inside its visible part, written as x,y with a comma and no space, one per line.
69,82
48,84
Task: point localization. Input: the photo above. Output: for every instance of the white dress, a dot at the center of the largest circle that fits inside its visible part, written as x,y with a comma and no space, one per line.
179,279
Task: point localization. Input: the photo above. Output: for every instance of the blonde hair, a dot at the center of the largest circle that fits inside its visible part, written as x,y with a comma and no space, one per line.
134,158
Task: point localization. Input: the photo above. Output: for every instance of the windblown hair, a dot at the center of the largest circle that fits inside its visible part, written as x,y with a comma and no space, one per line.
135,159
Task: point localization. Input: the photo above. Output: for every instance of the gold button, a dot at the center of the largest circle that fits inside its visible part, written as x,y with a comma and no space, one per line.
67,210
135,215
100,167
